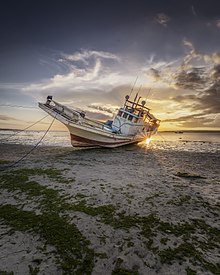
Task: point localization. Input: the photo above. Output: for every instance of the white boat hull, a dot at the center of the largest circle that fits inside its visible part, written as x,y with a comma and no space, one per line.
82,137
87,135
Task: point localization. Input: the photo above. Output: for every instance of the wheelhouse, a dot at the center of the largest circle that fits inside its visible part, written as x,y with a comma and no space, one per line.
134,117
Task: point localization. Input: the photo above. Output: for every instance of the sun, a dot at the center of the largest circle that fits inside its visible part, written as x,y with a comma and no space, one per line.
147,140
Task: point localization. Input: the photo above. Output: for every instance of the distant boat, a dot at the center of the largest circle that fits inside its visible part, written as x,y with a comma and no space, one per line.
132,123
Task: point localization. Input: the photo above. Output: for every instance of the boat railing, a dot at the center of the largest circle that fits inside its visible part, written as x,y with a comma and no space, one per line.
74,115
93,123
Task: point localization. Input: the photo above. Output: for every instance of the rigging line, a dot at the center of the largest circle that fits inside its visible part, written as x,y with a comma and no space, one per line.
18,106
133,85
150,89
148,93
4,139
32,149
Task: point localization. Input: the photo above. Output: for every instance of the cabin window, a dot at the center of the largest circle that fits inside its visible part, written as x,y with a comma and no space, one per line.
119,113
125,115
130,118
135,120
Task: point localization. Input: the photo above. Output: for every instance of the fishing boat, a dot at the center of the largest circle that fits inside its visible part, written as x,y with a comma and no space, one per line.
132,123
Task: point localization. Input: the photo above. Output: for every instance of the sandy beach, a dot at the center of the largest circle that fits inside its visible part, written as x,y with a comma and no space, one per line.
129,210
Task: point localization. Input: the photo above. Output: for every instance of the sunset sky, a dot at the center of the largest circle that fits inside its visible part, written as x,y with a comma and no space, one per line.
88,54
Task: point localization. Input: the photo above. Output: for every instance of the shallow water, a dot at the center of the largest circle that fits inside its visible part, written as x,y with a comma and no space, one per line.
187,141
53,138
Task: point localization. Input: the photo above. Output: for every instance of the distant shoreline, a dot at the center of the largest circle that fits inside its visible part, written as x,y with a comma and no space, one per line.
191,131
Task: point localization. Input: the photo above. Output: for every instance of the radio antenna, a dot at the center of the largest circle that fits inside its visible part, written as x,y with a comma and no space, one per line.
133,86
139,89
148,93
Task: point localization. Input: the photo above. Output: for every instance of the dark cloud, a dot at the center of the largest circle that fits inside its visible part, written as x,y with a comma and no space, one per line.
206,96
216,72
162,19
196,79
195,120
3,117
102,108
217,23
193,79
209,100
183,119
207,103
154,73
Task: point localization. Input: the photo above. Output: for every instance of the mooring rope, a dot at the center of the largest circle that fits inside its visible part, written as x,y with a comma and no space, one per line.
19,131
32,149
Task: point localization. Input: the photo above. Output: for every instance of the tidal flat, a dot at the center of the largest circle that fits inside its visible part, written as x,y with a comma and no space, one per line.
129,210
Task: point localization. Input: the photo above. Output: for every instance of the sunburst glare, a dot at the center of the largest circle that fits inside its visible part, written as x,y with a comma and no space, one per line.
148,140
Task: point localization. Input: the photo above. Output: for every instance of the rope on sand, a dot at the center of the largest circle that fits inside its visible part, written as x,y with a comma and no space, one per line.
32,149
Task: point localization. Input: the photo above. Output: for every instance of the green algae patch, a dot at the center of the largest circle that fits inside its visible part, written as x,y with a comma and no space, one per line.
49,199
150,226
53,225
33,270
2,161
73,252
179,201
188,250
73,249
105,212
190,271
17,178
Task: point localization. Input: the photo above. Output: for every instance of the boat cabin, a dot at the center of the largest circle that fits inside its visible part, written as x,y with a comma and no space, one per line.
133,117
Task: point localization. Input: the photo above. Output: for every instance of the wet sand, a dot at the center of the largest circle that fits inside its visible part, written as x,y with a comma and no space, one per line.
137,210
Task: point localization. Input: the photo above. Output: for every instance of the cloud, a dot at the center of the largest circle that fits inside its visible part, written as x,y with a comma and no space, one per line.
214,23
162,19
96,83
204,81
154,73
195,121
217,23
106,109
196,78
195,71
97,76
193,11
195,55
204,107
3,117
85,55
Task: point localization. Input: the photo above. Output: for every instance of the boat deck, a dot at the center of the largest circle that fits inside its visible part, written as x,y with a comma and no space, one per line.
74,118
